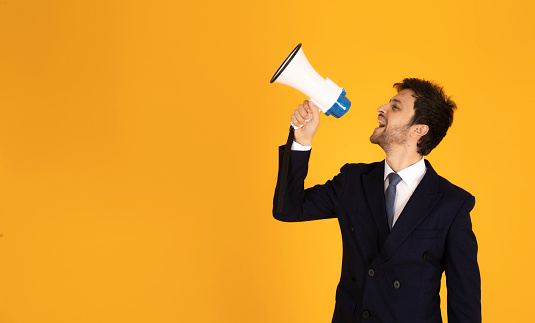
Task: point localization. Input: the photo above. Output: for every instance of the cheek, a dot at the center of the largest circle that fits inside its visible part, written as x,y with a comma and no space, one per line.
409,115
396,123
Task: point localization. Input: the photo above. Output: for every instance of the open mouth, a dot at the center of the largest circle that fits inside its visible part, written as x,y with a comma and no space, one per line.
382,121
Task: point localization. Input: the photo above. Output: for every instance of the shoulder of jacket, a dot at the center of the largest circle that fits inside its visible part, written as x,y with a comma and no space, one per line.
362,167
453,189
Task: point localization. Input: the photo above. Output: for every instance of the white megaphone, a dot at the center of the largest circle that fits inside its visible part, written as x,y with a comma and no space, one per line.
297,72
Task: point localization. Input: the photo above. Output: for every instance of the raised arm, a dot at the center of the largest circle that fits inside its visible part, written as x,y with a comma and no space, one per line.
318,202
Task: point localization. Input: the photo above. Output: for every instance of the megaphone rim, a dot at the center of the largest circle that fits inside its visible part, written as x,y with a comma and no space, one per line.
286,63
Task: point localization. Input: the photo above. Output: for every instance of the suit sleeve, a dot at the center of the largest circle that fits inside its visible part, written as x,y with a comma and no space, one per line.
462,271
318,202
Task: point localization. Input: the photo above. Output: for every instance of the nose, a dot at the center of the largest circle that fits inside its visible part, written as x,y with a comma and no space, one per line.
382,109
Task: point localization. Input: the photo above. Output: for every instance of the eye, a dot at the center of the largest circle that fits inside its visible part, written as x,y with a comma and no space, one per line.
394,107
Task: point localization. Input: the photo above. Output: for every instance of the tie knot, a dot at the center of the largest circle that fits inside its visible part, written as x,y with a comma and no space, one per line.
393,179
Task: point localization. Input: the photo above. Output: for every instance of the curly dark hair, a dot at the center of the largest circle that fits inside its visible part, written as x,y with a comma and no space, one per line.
432,108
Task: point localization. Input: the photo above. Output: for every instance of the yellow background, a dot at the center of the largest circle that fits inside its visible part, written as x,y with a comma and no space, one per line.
138,150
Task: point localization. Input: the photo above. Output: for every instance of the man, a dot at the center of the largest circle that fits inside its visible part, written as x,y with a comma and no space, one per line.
402,224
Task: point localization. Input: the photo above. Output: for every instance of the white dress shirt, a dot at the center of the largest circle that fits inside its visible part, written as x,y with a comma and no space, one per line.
299,147
410,178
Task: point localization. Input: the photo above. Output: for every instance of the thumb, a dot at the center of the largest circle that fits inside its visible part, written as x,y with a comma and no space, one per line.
315,111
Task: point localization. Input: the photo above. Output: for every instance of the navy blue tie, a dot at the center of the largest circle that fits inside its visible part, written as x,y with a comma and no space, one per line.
390,197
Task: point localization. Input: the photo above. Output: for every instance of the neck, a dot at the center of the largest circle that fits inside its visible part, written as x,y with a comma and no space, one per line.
401,159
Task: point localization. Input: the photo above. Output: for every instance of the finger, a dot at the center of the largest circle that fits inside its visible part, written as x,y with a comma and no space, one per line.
299,116
295,127
304,111
307,104
295,122
314,110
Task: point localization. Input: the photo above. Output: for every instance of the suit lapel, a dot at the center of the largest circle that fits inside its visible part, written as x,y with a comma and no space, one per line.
422,201
374,192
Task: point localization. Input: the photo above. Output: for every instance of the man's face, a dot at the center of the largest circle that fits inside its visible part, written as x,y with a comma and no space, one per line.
394,119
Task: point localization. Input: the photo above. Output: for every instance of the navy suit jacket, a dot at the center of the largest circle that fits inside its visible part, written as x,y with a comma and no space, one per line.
392,276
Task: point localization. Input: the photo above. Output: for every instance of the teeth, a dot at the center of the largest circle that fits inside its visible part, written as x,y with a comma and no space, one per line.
381,124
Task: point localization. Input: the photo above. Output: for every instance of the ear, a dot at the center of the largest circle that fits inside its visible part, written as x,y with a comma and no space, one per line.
419,130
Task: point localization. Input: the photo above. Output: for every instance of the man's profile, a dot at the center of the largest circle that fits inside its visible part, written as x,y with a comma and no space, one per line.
402,224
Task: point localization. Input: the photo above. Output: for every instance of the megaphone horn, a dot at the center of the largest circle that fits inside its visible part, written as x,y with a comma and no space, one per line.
297,72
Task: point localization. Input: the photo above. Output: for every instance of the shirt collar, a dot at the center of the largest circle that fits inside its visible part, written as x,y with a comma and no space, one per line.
409,174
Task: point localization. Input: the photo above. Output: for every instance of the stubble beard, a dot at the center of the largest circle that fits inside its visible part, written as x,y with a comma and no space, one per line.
390,137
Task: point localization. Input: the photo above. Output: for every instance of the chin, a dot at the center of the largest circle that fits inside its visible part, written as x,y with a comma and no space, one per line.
375,139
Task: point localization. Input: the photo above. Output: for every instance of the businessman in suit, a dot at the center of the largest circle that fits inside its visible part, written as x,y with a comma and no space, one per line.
402,224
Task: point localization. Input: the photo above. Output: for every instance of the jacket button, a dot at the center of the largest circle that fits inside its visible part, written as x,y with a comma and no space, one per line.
365,314
425,256
352,229
397,284
371,272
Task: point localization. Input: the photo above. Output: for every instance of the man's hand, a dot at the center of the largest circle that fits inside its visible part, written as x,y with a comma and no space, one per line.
307,115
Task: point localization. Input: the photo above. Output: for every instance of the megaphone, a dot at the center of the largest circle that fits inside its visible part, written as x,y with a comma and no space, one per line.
297,72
